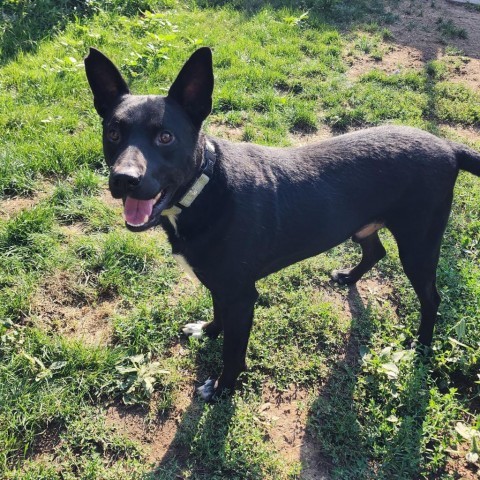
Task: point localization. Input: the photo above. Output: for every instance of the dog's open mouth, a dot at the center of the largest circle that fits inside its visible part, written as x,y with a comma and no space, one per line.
143,214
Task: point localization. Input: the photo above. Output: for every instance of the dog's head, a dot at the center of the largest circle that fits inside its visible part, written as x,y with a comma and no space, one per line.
150,142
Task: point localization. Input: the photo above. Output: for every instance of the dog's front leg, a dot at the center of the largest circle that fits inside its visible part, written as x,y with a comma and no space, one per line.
214,328
210,329
237,317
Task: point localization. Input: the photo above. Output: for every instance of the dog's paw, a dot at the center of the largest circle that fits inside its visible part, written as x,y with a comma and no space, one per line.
207,390
194,330
343,277
211,392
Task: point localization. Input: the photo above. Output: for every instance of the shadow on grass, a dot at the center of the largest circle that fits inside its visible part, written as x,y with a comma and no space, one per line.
319,11
25,23
345,440
199,444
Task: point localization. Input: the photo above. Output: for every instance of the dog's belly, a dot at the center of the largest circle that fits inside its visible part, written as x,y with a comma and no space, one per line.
288,256
285,260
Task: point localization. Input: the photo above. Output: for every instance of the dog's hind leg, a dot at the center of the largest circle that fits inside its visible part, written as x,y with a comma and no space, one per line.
210,329
372,252
419,250
421,272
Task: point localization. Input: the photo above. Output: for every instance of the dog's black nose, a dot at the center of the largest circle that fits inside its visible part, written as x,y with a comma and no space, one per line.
122,183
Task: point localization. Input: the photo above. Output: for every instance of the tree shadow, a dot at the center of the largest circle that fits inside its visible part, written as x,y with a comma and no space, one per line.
319,11
344,444
431,27
25,23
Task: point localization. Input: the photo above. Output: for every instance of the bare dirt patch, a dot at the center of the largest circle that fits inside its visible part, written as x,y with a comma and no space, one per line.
234,134
351,301
106,198
458,466
376,288
418,38
467,134
11,206
467,73
418,27
46,443
285,415
396,59
322,133
59,306
155,435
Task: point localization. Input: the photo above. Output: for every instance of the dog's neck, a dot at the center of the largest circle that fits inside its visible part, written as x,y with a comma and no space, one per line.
205,165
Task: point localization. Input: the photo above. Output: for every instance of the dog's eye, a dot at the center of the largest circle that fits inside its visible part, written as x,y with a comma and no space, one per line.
164,138
113,134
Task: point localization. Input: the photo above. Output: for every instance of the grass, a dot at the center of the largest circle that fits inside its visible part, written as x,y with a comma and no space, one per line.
372,409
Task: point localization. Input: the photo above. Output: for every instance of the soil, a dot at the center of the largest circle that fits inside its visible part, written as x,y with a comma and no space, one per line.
458,466
155,435
284,415
417,39
58,306
11,206
418,27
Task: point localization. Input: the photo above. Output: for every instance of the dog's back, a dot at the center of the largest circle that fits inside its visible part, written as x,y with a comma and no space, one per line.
284,202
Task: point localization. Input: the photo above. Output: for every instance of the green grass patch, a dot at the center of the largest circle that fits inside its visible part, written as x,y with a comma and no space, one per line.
372,408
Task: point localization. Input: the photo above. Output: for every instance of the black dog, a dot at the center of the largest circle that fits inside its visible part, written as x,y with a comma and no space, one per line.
236,212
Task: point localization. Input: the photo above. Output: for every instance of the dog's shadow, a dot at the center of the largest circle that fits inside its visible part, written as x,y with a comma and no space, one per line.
203,428
332,420
339,437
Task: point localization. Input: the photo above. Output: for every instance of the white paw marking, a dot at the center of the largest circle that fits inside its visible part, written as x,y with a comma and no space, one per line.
207,390
194,330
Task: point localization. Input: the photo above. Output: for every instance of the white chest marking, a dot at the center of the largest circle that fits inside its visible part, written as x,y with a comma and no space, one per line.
173,221
186,267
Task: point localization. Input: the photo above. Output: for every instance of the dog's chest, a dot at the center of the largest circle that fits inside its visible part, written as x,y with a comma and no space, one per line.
182,262
173,221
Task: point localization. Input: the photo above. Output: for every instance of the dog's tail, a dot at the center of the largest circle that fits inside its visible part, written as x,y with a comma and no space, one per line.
468,159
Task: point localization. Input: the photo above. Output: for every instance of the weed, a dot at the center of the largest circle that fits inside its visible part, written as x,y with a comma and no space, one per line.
139,377
449,30
452,50
437,69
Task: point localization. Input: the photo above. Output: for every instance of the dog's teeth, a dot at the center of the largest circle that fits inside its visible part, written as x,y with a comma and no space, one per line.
141,224
157,198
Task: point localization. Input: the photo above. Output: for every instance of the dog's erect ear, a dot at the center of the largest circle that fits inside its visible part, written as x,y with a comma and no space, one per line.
193,86
105,80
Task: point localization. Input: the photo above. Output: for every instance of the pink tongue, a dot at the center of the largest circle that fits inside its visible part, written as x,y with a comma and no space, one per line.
137,212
